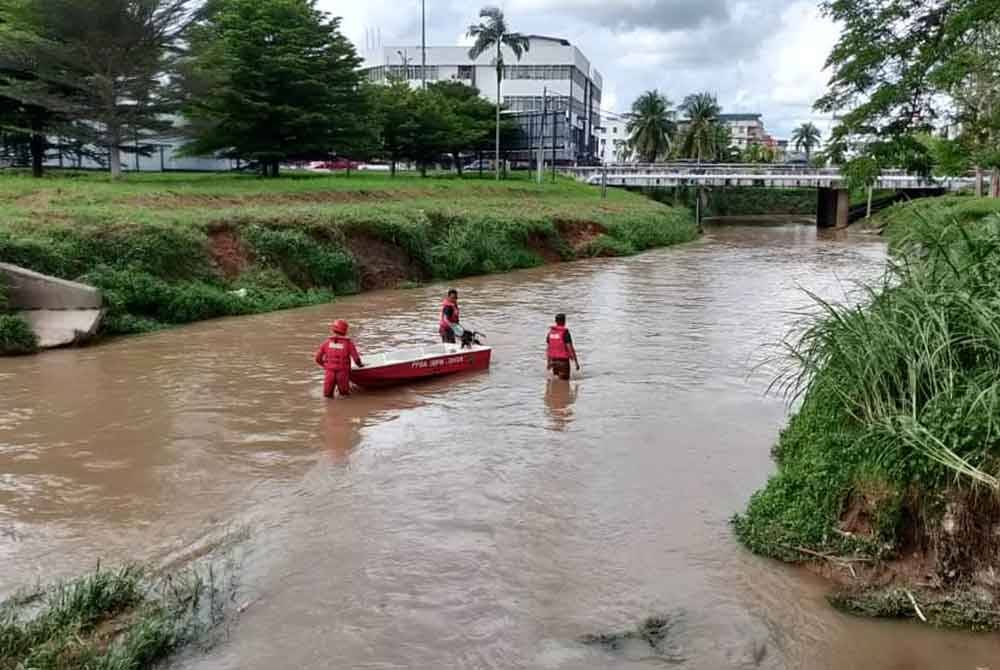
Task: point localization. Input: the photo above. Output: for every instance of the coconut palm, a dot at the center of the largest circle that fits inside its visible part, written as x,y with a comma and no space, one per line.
493,33
651,126
701,139
806,138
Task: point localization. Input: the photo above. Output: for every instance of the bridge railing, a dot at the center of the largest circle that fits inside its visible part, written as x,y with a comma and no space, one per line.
743,174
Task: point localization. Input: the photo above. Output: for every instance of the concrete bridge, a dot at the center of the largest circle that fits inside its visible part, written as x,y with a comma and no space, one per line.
833,201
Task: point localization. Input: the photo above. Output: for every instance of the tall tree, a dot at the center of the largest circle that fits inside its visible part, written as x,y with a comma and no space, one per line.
468,115
701,137
396,122
651,126
269,81
100,63
891,67
23,126
493,33
806,138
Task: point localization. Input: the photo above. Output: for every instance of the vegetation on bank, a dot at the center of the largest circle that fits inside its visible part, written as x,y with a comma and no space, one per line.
121,619
16,336
888,472
171,249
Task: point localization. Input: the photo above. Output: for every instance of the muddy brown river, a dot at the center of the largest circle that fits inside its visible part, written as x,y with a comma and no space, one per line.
488,522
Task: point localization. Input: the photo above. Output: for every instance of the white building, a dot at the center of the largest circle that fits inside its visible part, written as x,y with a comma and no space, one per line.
550,64
613,141
747,129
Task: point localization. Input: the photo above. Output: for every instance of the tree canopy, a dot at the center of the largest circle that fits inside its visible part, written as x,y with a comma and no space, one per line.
99,63
651,126
270,81
902,68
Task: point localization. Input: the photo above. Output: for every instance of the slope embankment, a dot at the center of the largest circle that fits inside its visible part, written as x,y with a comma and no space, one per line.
172,249
888,474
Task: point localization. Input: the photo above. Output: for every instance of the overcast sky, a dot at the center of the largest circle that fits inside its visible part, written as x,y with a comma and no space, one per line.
756,55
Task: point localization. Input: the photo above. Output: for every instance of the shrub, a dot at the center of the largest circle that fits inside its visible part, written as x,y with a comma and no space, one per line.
903,388
306,261
16,336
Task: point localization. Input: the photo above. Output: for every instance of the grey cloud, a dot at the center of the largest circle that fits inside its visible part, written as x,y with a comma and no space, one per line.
661,15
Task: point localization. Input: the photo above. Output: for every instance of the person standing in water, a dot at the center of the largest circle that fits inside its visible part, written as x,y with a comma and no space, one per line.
449,317
559,349
335,356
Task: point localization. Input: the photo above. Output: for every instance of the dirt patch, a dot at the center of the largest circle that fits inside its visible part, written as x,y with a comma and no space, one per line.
382,264
945,557
545,247
228,253
579,234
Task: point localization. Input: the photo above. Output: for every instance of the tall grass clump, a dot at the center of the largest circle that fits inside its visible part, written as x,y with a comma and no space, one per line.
903,389
124,619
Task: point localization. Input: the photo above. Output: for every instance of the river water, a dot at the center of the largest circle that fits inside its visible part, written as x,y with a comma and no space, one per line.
485,523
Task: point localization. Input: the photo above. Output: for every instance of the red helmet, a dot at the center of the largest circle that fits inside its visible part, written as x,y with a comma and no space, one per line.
339,327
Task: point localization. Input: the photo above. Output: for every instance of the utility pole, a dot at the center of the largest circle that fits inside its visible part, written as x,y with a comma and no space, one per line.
541,135
423,43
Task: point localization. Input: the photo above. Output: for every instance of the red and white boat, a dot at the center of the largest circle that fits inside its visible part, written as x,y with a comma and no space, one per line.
416,363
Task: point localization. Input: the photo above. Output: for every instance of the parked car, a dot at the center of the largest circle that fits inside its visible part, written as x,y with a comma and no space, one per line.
335,164
480,164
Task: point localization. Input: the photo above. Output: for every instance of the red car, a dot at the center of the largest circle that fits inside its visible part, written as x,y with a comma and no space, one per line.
336,164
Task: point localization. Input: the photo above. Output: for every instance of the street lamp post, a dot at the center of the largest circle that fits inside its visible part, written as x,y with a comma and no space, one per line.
423,43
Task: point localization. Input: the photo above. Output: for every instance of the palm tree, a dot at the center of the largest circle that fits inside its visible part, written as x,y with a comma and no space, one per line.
494,33
651,126
701,138
806,138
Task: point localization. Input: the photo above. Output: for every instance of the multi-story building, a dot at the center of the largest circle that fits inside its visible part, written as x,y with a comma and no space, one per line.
746,129
613,141
551,66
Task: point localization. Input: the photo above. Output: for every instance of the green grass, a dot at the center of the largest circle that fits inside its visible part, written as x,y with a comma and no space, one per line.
900,396
158,244
121,619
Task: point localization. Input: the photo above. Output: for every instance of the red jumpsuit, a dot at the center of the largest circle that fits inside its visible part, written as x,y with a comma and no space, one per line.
335,356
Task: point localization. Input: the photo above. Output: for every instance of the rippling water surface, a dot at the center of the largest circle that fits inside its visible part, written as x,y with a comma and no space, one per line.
488,522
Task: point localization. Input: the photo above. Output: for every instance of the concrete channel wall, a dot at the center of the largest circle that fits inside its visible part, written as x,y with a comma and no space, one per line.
61,312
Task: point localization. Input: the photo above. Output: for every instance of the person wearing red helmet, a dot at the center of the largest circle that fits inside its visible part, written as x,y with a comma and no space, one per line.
335,356
559,348
449,317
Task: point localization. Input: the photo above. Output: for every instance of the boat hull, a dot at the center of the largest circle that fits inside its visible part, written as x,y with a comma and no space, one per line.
403,372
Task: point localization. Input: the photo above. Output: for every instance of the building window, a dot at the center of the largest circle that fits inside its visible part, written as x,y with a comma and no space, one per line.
412,72
547,72
614,131
465,72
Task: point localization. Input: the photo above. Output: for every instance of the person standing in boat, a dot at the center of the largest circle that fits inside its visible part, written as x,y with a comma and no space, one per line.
449,317
559,349
335,357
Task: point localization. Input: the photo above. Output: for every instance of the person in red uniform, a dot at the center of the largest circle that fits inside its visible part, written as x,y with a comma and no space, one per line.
335,356
449,316
559,347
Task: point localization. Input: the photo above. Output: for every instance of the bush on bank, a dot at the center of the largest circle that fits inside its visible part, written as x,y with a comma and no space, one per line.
107,620
172,251
16,335
895,449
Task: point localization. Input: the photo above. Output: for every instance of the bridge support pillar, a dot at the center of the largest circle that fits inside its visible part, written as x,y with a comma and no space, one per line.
832,207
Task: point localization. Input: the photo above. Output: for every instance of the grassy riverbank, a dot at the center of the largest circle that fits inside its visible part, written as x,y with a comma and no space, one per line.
887,474
108,620
170,249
